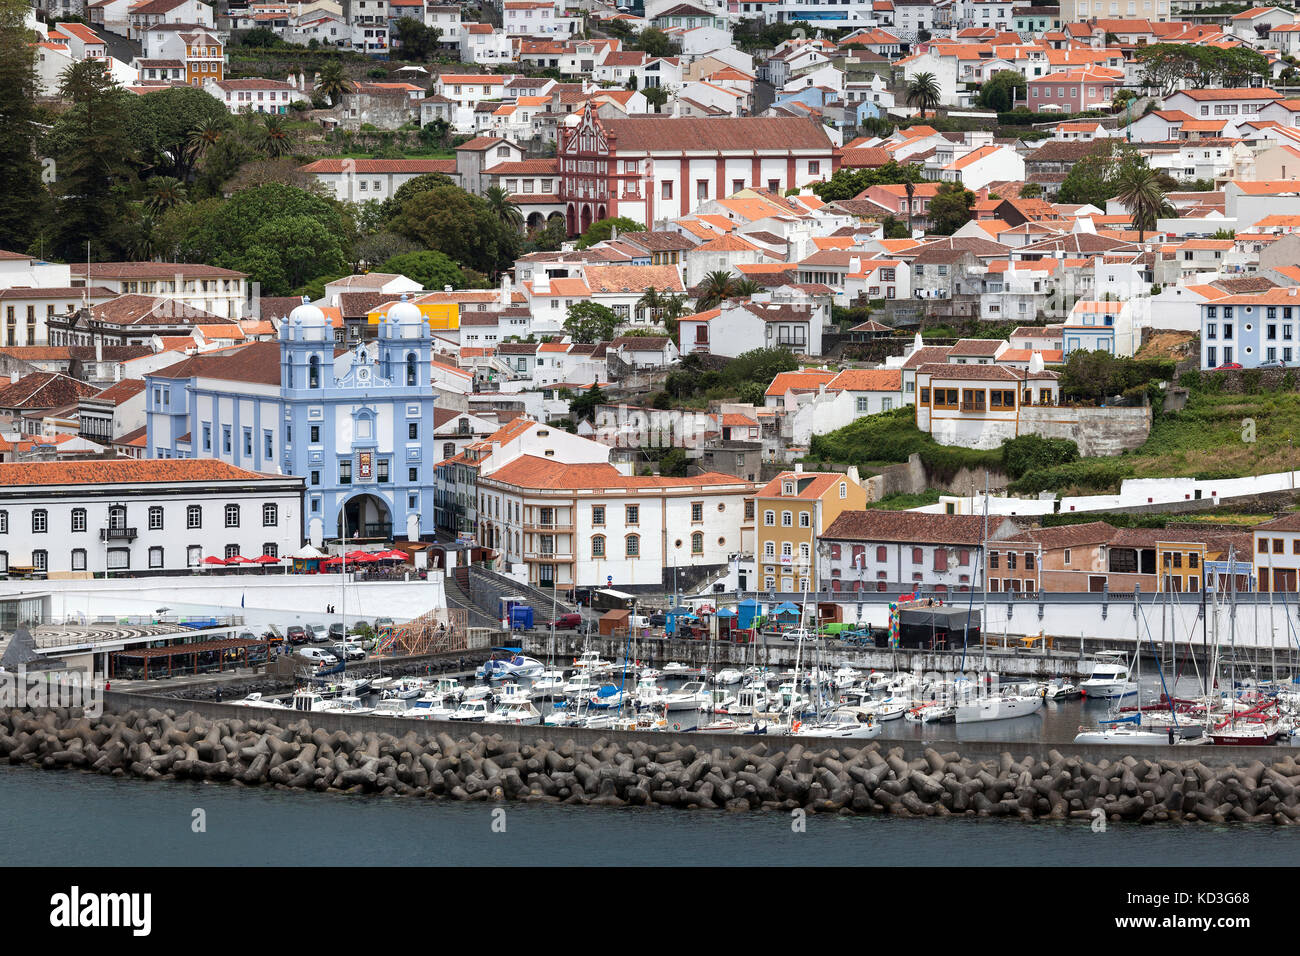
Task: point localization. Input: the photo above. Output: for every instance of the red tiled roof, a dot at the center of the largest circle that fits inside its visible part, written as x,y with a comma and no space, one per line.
124,471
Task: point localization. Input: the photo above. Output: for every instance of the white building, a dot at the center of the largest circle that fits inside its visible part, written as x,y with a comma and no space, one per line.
588,524
88,517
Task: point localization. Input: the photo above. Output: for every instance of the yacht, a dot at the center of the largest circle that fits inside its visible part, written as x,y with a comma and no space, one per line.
690,696
1002,707
515,712
306,700
548,684
581,684
393,707
609,697
430,706
346,704
1063,690
256,699
728,676
1109,677
842,722
472,710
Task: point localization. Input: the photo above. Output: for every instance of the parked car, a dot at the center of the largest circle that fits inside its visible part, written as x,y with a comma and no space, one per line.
1227,367
658,620
296,633
316,655
565,622
348,651
338,631
1270,365
382,622
318,633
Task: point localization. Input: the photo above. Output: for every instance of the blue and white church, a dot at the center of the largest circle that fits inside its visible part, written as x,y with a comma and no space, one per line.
354,423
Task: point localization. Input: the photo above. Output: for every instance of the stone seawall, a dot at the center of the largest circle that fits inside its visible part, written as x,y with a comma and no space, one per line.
223,743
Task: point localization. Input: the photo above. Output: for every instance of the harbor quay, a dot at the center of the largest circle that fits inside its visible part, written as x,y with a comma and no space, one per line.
142,736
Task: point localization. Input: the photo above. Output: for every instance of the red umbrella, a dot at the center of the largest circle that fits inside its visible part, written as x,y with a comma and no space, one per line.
213,559
332,562
393,555
238,559
363,558
266,559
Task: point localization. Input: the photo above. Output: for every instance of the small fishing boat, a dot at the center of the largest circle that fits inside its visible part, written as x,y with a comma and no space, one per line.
691,696
471,710
728,676
847,722
256,699
1059,690
520,712
1109,677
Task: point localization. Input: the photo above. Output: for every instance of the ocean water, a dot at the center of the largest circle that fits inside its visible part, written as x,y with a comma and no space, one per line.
62,818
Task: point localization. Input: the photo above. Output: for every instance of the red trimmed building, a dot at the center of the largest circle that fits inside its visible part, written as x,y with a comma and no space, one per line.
660,167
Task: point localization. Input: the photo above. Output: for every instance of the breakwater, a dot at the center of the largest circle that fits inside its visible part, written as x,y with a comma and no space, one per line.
698,772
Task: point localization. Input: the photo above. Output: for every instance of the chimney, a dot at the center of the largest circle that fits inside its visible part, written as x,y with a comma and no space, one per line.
542,284
798,466
13,378
855,265
853,475
505,292
99,349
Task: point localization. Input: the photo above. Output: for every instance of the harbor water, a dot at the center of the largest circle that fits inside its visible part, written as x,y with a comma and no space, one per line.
72,818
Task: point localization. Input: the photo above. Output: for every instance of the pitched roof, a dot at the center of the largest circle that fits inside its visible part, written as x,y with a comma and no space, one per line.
124,471
912,527
531,471
727,134
806,380
257,363
867,380
44,390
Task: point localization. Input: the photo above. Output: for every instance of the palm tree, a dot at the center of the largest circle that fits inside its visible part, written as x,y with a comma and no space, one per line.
1139,190
923,92
274,138
716,287
745,289
145,239
332,82
203,137
504,208
651,302
910,188
162,193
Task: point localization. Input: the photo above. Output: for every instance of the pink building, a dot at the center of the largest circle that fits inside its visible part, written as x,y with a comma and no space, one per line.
1073,91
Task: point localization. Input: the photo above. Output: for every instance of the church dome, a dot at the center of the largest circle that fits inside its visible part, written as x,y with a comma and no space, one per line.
307,314
405,319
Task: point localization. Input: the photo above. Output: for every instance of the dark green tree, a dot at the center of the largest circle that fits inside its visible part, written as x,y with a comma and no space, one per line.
451,221
433,270
22,196
655,42
418,42
590,322
583,407
950,209
95,160
601,229
1002,90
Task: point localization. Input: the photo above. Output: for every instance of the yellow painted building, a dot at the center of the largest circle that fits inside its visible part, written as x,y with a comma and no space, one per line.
442,316
790,513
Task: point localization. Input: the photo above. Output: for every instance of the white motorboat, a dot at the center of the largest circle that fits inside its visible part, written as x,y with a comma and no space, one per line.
590,662
878,680
513,693
548,684
844,677
751,700
346,704
728,676
393,707
1109,677
690,696
648,694
256,699
677,669
471,710
721,701
408,688
516,712
842,722
581,684
431,707
510,668
649,674
891,708
306,700
1002,707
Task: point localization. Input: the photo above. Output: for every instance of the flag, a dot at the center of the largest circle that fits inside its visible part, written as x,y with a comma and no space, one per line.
241,598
